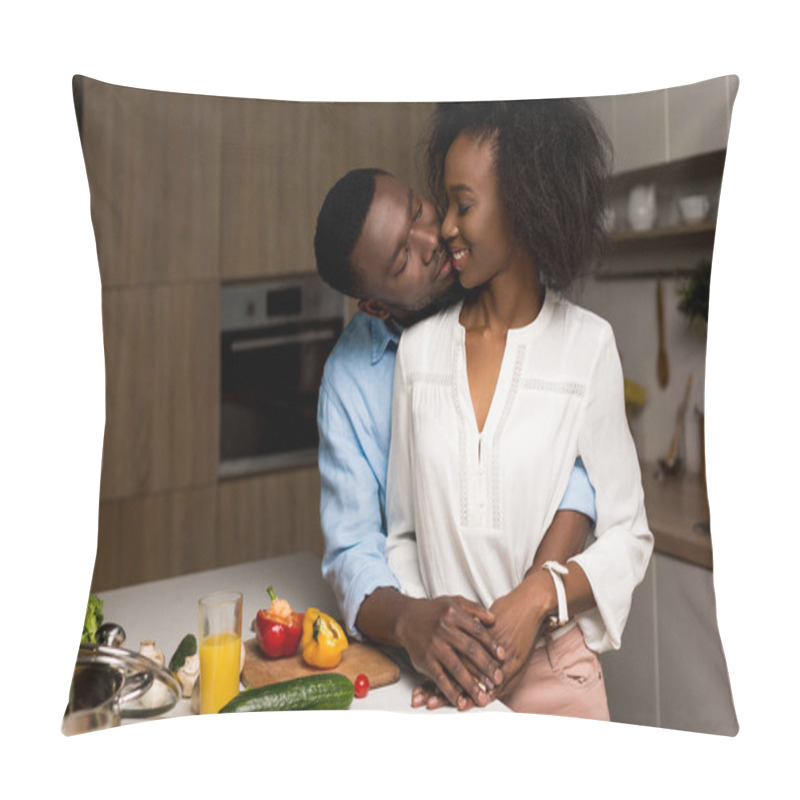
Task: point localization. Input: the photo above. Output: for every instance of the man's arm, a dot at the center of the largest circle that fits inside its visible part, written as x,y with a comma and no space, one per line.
354,562
437,634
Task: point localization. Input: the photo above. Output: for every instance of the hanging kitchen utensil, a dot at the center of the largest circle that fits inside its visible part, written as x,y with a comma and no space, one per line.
673,463
662,365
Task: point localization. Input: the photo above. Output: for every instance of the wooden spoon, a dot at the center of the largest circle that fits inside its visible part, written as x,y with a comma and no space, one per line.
674,448
662,366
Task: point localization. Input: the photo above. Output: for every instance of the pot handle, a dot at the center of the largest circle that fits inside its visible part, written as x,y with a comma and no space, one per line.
135,686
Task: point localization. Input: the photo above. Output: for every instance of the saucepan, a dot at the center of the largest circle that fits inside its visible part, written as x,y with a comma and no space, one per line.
108,681
98,691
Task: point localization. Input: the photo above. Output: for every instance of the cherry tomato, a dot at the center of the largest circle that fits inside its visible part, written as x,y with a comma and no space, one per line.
361,686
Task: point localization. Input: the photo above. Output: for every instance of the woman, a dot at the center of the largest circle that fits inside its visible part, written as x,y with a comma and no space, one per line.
495,398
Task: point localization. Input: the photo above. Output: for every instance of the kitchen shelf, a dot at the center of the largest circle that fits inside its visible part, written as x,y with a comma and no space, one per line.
657,234
672,248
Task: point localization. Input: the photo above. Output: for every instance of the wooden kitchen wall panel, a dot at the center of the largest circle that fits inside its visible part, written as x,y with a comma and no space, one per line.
279,159
156,536
162,388
269,515
186,389
386,135
153,165
276,169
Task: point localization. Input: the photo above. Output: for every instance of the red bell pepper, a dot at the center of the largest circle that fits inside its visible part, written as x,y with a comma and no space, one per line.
278,628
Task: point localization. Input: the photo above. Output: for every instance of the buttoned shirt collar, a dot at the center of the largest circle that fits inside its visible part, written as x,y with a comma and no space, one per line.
384,334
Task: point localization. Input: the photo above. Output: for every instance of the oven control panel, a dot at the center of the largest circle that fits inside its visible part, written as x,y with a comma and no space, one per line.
279,301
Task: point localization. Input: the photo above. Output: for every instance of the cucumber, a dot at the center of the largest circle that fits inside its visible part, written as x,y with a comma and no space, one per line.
309,693
187,647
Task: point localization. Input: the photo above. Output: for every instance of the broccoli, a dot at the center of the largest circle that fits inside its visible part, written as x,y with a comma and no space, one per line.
94,619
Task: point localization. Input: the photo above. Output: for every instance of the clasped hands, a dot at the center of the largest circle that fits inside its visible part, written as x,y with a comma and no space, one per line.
469,654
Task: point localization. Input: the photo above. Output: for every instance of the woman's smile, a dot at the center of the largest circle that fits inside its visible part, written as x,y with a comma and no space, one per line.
459,255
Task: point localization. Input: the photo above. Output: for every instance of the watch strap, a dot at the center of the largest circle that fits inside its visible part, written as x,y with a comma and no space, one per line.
556,570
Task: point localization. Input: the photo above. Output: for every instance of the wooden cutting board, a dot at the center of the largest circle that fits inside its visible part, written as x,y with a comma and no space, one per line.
357,659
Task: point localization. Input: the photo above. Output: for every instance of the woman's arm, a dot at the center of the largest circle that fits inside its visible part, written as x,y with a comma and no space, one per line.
521,613
616,562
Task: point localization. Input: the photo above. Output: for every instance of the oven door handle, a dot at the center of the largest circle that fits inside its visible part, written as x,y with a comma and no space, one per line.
277,341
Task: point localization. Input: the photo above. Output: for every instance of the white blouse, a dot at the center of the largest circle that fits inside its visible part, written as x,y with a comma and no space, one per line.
466,511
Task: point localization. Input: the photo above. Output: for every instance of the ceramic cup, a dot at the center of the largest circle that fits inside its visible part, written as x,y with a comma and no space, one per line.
642,207
694,208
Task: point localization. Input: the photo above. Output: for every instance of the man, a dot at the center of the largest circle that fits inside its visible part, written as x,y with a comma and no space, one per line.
378,241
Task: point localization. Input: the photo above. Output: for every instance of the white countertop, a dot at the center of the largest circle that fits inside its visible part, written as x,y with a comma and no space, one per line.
166,610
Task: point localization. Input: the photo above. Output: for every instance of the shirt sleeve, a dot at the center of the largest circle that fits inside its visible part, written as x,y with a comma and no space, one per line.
615,563
401,542
579,495
354,560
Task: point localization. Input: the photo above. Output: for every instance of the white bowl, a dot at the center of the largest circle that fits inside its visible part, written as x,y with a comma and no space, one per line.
694,208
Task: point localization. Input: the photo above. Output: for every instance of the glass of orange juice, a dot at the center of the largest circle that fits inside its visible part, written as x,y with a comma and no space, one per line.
220,649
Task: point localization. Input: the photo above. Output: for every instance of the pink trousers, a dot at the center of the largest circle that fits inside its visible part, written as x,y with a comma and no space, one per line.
562,678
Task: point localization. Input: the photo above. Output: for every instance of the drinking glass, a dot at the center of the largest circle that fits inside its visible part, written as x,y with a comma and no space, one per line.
220,649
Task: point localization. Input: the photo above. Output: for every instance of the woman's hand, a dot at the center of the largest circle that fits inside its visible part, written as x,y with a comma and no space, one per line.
518,619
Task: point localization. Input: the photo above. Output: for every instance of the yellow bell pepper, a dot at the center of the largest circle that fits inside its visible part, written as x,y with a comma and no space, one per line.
323,640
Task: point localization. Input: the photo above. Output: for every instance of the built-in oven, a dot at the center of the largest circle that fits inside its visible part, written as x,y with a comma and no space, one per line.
276,335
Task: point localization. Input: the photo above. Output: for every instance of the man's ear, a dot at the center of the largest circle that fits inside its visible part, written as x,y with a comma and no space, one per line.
373,308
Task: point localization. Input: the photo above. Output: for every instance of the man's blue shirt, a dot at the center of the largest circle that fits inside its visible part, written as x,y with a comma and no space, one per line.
354,417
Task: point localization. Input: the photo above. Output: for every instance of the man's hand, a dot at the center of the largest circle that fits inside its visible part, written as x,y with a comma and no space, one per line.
518,617
448,640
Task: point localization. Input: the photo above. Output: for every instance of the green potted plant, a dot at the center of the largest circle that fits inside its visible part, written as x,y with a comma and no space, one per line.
694,293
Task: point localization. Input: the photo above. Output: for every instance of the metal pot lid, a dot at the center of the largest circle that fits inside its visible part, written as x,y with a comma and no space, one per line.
148,690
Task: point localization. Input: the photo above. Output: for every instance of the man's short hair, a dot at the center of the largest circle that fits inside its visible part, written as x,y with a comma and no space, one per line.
339,224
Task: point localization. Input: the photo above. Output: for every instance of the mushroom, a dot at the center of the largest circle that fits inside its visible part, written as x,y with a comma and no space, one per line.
147,647
188,673
158,694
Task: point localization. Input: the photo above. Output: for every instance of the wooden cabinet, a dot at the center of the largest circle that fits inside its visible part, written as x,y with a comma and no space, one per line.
153,165
279,159
670,671
162,388
656,127
269,515
156,536
276,167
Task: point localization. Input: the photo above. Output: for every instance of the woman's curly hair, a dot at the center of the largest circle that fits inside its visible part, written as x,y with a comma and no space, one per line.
552,159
